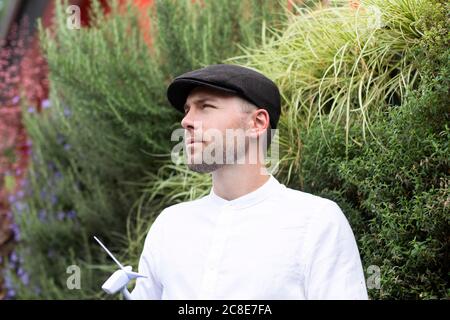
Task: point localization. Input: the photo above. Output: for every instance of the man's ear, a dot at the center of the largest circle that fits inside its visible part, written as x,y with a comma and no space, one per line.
261,122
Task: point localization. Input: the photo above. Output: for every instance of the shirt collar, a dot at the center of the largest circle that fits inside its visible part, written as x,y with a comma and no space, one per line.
270,187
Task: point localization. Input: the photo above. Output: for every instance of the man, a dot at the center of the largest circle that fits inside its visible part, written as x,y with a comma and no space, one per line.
251,237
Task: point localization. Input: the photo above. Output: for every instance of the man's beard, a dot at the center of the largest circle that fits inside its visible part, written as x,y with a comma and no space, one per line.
204,167
209,166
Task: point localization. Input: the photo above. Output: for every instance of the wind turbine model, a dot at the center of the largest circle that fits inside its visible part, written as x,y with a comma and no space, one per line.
119,279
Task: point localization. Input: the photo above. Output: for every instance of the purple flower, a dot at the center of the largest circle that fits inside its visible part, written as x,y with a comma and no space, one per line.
53,199
13,226
25,278
71,214
37,290
60,215
58,175
67,112
20,206
67,147
8,282
23,182
10,293
13,257
20,271
42,215
16,231
51,253
15,99
20,194
18,171
46,104
11,198
31,110
51,165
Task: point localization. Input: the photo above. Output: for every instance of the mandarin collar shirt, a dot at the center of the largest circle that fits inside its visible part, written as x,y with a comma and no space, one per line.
272,243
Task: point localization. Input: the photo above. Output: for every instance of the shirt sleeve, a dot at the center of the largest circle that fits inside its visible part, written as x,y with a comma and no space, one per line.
150,288
333,268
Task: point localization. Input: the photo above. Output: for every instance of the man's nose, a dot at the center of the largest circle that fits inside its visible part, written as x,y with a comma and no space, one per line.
189,119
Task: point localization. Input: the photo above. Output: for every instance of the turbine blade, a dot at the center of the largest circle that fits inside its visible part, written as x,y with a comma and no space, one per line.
109,253
133,275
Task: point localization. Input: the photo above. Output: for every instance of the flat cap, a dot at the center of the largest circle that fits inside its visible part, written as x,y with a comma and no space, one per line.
244,82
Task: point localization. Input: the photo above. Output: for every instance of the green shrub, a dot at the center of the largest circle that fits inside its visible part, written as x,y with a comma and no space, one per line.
96,144
390,82
339,64
394,188
396,195
365,123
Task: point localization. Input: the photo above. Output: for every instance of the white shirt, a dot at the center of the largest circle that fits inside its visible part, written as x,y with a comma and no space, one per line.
272,243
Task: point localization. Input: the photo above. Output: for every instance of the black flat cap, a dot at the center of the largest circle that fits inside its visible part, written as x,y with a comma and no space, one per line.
244,82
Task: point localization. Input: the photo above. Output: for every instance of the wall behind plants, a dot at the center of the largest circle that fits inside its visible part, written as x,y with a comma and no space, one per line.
25,79
107,119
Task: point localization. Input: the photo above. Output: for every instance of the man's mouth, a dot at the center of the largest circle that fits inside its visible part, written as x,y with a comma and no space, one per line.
192,141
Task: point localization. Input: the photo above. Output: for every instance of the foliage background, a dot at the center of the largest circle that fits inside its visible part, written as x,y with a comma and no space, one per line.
365,123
